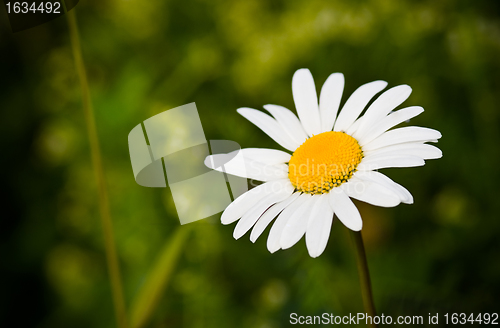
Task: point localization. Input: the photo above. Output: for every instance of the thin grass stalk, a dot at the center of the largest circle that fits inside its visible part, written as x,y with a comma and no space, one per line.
107,224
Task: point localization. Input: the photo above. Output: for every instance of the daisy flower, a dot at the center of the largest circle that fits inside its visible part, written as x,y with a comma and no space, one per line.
333,157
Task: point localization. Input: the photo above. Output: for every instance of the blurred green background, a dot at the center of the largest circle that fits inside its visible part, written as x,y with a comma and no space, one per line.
441,254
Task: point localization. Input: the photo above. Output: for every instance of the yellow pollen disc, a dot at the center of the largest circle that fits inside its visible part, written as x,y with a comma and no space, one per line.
323,162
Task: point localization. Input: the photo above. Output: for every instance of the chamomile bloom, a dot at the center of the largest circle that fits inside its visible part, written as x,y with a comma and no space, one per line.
333,157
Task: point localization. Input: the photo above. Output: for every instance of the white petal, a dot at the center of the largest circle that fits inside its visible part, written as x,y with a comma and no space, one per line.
289,122
388,122
273,241
245,202
356,103
354,126
266,156
296,226
385,161
319,226
250,217
384,104
402,135
246,168
421,150
370,192
345,209
382,179
269,216
329,100
270,127
306,101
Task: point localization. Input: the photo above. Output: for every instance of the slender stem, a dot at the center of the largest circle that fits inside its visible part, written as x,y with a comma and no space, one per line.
364,275
159,277
107,224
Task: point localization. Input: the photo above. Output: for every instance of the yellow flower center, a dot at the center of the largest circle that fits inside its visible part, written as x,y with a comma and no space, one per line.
323,162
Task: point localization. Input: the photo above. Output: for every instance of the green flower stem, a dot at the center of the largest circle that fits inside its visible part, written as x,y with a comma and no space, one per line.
107,224
364,275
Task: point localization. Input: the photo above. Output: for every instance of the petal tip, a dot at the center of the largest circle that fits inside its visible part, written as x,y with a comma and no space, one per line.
382,83
237,235
314,253
302,71
225,220
337,75
207,161
272,250
241,109
356,227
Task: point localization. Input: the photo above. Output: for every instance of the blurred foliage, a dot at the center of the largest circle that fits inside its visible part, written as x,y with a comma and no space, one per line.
439,255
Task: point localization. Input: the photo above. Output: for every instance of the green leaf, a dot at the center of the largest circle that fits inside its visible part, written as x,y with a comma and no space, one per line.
150,294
